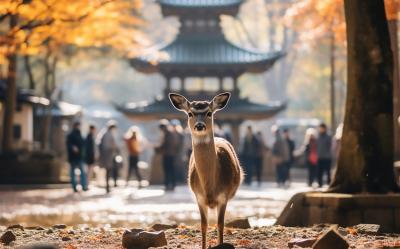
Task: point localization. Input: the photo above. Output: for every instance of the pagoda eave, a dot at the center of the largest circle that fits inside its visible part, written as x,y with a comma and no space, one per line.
237,111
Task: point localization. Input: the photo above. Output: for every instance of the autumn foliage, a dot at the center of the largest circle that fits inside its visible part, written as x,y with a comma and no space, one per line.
55,23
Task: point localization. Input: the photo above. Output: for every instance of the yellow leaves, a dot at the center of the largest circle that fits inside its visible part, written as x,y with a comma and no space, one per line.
316,19
82,23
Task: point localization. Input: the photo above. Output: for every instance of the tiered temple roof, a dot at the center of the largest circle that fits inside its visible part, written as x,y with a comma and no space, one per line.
201,50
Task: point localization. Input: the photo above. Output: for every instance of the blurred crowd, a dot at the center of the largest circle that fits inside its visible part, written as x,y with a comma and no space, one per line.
104,149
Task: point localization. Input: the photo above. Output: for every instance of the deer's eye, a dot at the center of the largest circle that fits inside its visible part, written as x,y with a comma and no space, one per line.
209,114
190,114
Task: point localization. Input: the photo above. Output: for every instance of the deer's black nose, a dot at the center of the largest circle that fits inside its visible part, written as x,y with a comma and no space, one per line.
199,127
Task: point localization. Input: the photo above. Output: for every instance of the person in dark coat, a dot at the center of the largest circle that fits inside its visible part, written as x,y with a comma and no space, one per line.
311,156
291,146
259,159
281,157
90,151
324,149
250,152
167,149
75,146
109,150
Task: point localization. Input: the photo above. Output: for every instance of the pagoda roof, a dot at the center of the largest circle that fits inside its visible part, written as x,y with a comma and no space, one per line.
236,110
203,54
199,3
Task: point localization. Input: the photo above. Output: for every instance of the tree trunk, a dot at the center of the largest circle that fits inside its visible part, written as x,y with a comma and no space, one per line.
332,82
396,86
32,83
47,91
11,96
366,159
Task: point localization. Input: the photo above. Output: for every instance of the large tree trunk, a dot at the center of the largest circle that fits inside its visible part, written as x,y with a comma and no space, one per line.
366,158
332,88
392,8
11,96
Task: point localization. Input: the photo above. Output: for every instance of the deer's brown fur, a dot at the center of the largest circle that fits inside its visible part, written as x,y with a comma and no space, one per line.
214,169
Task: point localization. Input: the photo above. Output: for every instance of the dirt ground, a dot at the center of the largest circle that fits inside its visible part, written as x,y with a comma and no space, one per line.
189,237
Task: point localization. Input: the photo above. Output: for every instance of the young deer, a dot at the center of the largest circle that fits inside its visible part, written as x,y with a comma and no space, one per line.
214,169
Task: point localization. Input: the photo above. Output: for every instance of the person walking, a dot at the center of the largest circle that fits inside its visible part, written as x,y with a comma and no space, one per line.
108,148
178,143
75,146
90,152
281,157
132,141
324,152
168,155
259,159
291,146
250,150
311,155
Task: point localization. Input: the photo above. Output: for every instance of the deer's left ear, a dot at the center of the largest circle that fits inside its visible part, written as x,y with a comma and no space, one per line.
220,101
179,102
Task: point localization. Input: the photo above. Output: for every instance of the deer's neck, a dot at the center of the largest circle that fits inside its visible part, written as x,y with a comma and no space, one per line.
205,157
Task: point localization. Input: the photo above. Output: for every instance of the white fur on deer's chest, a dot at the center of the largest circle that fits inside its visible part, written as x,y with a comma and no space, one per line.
211,201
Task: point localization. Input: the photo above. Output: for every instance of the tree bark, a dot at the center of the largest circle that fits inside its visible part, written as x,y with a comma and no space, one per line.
366,159
332,89
396,86
32,83
11,96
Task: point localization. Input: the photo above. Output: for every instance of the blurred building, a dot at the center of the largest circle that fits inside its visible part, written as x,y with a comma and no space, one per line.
23,128
200,62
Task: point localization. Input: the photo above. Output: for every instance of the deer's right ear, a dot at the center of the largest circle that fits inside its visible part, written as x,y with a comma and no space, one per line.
179,102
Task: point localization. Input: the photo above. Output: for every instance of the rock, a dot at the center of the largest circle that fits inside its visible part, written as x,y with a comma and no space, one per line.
301,242
40,246
370,229
140,239
35,228
342,231
16,226
242,223
49,231
161,227
7,237
223,246
331,240
60,226
65,238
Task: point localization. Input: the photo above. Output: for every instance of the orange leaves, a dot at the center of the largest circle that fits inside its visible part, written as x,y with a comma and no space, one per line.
316,19
392,9
53,24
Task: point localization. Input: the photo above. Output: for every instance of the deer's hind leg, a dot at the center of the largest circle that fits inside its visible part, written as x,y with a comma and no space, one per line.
221,219
204,224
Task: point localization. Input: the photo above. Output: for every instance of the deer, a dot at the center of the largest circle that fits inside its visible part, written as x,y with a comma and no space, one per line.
215,172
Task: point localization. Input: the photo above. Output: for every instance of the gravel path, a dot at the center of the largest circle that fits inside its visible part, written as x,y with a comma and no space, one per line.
189,237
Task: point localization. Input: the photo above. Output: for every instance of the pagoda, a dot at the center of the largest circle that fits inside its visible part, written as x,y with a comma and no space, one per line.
200,54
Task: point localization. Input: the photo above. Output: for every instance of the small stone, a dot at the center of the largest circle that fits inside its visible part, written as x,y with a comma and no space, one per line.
331,240
162,227
370,229
308,242
223,246
71,232
140,239
35,228
60,226
7,237
342,231
16,226
242,223
65,238
49,231
40,246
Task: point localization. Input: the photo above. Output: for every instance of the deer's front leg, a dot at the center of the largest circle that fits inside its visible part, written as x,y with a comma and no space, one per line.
221,217
204,225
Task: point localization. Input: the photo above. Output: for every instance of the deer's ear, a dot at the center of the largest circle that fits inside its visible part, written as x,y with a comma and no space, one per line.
179,102
220,101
